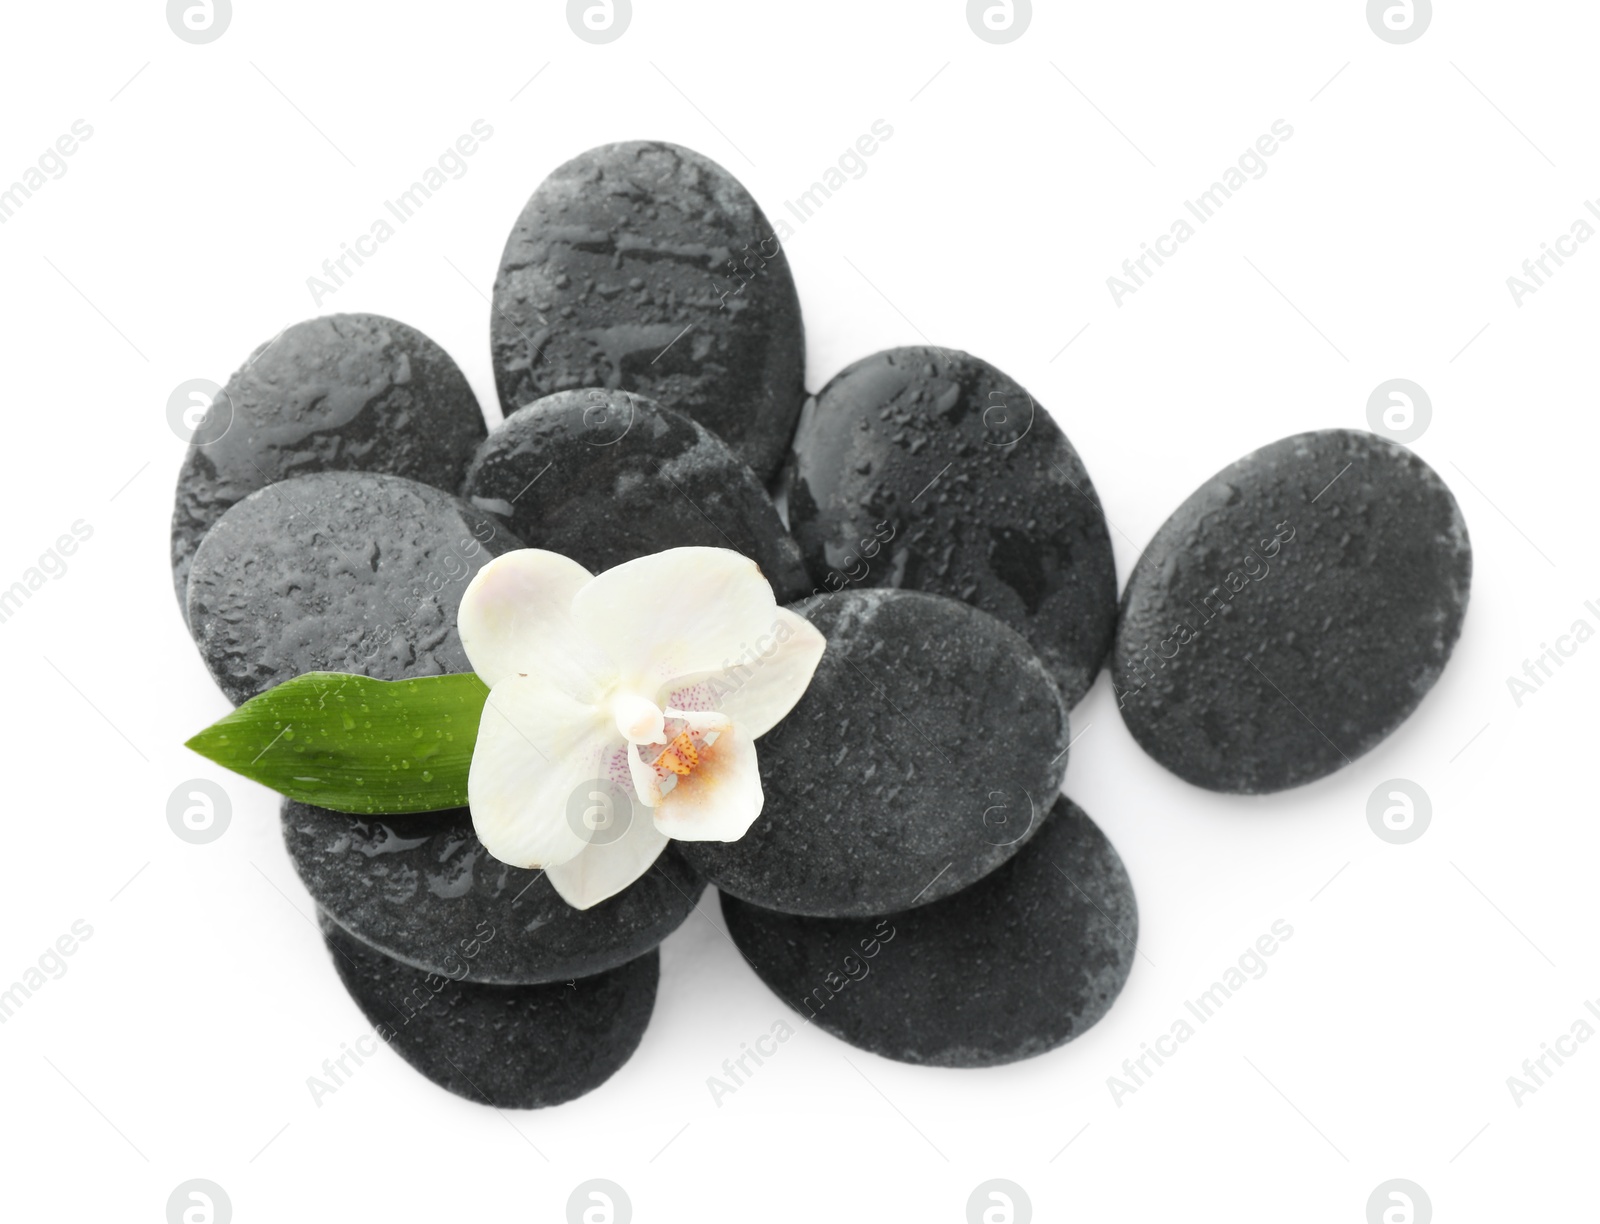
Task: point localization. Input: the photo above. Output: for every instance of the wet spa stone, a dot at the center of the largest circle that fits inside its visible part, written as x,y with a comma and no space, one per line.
930,469
1021,962
339,571
514,1047
647,267
355,392
421,888
910,768
607,476
1292,612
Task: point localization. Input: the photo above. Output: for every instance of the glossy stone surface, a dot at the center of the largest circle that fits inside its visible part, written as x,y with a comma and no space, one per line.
931,470
355,392
607,476
339,571
1020,963
1292,612
912,766
419,888
513,1047
647,267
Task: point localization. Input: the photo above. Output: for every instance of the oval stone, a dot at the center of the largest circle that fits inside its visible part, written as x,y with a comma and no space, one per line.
513,1047
647,267
916,763
929,469
354,392
607,476
1292,612
339,571
1020,963
420,888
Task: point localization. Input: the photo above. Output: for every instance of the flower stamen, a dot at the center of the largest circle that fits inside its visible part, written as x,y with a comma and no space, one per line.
640,721
680,757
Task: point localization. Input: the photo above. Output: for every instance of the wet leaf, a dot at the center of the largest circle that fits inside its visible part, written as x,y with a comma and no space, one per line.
355,744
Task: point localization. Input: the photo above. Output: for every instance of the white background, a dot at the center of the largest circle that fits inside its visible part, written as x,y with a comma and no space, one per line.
1419,976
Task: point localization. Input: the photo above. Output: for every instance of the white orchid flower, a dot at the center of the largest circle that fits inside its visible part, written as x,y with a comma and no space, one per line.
648,684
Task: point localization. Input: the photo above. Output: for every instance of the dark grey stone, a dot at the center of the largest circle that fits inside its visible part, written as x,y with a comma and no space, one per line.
417,887
339,571
910,768
513,1047
607,476
931,470
1292,612
354,392
1021,962
647,267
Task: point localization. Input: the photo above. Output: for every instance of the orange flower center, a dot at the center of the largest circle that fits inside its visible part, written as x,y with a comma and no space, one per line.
680,757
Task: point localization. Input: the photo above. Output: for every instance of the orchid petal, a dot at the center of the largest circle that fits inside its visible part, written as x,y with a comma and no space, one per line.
676,613
536,748
604,869
516,618
757,695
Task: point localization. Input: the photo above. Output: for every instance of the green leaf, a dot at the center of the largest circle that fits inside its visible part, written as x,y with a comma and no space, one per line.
355,744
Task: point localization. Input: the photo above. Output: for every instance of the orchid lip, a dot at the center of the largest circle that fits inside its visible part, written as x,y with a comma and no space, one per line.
676,754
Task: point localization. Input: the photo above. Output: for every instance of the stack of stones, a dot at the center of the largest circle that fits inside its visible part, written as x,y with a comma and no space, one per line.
916,884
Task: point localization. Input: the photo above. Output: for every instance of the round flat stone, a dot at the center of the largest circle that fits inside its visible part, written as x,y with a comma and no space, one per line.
607,476
931,470
647,267
339,571
1021,962
1292,612
513,1047
355,392
422,888
914,765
